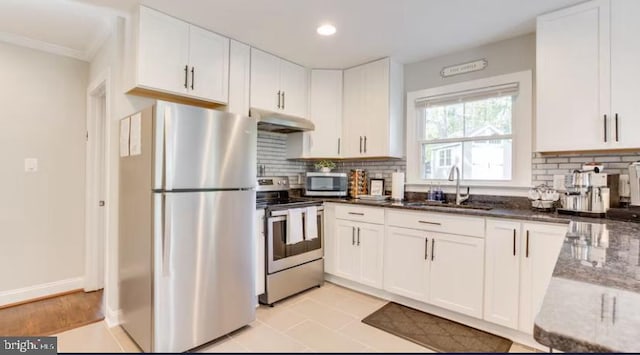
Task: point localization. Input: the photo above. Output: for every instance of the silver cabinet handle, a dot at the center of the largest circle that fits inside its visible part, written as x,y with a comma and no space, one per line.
365,144
186,76
613,313
358,236
433,248
602,307
617,140
338,146
432,223
167,217
357,213
193,78
360,144
353,235
527,246
278,98
426,248
605,128
283,100
514,242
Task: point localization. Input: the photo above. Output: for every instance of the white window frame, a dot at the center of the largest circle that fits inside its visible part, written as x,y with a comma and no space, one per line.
522,128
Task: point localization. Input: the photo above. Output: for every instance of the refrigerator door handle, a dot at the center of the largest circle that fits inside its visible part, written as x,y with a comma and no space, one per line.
167,225
168,150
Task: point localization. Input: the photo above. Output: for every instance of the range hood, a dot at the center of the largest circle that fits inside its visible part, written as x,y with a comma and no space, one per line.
278,122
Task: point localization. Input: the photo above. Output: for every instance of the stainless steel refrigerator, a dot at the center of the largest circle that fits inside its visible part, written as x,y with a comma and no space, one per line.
186,246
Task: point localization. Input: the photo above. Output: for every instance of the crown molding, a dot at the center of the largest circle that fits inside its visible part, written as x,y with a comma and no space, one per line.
44,46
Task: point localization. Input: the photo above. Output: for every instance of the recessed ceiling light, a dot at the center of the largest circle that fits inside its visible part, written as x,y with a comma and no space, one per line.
326,30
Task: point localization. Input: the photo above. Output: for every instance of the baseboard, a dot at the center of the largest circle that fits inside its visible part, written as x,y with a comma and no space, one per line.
24,294
112,317
511,334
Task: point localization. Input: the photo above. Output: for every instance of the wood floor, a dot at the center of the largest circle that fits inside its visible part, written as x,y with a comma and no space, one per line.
52,315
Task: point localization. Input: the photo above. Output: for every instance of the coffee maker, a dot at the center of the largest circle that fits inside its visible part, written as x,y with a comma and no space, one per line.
590,193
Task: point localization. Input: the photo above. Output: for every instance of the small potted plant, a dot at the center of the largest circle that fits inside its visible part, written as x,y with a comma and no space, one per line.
325,166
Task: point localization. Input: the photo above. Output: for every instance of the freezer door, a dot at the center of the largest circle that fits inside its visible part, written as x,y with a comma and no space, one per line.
204,268
203,148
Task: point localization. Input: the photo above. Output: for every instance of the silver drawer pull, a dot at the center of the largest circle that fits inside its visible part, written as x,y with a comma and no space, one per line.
433,223
357,213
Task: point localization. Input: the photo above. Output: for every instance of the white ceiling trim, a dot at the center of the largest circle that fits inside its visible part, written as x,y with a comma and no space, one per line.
42,46
97,43
85,56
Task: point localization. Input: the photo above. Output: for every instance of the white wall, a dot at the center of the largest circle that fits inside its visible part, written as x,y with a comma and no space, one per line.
42,103
110,58
504,57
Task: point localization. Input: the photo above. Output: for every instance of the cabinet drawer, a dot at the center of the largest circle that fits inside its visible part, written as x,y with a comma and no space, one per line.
360,214
437,222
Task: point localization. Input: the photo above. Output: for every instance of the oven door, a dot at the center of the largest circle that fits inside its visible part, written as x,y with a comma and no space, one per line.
280,255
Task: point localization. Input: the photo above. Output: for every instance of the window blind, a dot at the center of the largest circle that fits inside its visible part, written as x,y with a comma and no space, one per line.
510,89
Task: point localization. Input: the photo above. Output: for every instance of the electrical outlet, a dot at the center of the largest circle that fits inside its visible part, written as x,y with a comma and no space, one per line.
558,183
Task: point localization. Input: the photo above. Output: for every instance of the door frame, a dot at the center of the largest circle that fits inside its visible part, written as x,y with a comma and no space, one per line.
98,109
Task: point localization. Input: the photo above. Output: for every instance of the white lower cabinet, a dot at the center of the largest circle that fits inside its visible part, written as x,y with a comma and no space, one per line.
358,252
456,275
406,270
541,244
519,262
445,270
499,273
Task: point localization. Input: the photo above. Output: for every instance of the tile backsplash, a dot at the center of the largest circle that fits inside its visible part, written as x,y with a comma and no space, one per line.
272,153
379,168
545,166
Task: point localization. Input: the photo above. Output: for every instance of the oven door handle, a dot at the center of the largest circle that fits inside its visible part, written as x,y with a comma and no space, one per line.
280,213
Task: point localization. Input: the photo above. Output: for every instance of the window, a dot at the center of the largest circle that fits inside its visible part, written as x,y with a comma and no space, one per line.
477,129
479,126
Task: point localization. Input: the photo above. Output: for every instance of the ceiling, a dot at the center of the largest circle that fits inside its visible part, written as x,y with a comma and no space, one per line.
408,30
60,26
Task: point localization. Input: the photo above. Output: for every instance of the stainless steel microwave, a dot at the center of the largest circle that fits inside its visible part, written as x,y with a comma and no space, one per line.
325,184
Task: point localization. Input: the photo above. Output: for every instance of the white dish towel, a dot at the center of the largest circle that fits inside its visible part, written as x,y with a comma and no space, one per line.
311,223
294,226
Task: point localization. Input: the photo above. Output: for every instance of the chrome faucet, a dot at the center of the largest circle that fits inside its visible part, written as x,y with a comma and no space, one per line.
459,198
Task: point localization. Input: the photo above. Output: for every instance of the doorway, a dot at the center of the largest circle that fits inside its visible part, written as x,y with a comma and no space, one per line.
97,184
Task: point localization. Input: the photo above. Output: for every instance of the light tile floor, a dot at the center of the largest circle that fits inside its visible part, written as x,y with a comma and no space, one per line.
326,319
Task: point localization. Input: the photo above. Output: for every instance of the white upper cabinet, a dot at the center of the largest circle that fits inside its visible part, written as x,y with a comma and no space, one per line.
625,73
239,78
265,81
173,59
326,114
372,110
587,74
163,52
573,79
209,59
278,85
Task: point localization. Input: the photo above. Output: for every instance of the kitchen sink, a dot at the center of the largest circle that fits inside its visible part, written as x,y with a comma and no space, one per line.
449,205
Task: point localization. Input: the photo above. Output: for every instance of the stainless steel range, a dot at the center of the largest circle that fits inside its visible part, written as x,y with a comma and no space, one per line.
294,245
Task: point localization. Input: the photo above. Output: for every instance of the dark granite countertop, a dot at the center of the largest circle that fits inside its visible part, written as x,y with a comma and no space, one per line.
499,211
592,303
